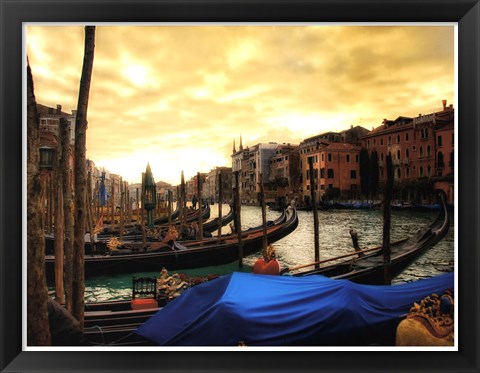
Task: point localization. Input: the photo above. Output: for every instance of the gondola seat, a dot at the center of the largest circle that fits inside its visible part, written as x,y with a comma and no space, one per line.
144,293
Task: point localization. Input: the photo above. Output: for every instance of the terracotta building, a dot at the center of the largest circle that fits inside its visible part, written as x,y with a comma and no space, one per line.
336,164
284,175
422,151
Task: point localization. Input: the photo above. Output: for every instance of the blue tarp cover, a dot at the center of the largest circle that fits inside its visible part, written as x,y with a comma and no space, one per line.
263,310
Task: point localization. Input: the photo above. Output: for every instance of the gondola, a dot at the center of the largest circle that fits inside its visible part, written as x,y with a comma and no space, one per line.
211,226
302,311
356,205
156,255
369,268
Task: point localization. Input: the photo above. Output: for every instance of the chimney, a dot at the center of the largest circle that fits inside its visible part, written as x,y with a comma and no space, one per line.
351,126
59,109
444,103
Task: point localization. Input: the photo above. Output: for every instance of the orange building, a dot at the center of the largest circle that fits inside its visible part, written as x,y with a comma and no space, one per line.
421,150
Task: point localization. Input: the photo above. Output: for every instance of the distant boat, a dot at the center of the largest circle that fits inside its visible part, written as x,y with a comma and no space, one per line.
357,204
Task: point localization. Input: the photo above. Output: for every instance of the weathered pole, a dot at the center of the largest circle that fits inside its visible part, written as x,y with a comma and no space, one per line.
89,212
142,221
264,217
220,202
112,203
169,196
387,276
184,201
122,205
138,205
58,233
314,210
67,210
238,220
78,306
200,218
38,331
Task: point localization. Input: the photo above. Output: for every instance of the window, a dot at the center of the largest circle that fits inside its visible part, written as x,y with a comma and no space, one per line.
322,173
406,137
323,157
407,172
389,140
348,157
421,171
374,142
428,151
330,186
439,141
368,143
356,158
329,157
421,151
308,175
398,173
315,173
440,162
407,153
429,170
398,139
330,173
322,187
398,154
381,141
353,174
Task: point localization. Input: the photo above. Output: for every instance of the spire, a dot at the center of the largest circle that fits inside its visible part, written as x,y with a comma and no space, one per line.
234,150
149,181
241,146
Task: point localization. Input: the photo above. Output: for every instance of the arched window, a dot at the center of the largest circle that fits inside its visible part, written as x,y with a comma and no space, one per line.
398,138
428,150
398,154
421,151
407,153
398,173
406,137
407,172
421,171
429,170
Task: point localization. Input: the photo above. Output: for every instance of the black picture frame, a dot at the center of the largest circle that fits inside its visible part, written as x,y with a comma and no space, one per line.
13,13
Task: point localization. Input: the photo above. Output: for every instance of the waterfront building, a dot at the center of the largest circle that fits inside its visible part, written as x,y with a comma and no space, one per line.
422,149
211,185
284,175
252,162
336,164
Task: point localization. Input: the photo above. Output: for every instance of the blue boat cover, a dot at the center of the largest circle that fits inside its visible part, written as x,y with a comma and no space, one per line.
263,310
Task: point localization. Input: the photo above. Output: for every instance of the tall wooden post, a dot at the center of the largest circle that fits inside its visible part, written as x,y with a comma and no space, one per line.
184,200
138,205
238,228
78,307
89,211
264,217
122,206
59,233
200,218
112,222
169,196
386,222
315,213
67,210
220,202
144,233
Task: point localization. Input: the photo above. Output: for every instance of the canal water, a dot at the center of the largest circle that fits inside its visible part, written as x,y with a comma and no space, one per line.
298,247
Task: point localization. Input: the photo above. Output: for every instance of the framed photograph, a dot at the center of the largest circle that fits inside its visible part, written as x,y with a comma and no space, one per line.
435,39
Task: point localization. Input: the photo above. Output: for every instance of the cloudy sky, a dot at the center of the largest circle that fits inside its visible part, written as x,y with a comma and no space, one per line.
178,96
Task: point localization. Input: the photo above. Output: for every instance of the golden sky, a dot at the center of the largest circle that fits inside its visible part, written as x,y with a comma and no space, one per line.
177,96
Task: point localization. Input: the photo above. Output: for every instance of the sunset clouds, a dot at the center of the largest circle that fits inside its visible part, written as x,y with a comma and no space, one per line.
177,96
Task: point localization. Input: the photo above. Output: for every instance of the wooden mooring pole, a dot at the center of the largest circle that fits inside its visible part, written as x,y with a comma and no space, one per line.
264,217
238,220
314,210
386,222
220,202
200,218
